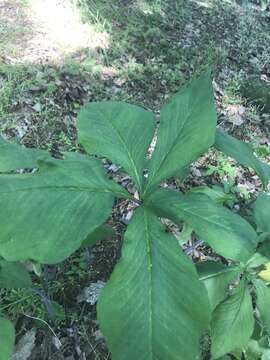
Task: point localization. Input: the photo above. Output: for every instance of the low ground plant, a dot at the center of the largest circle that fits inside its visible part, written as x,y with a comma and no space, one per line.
157,303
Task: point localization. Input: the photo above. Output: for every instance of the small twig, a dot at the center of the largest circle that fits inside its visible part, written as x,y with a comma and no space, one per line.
189,250
45,322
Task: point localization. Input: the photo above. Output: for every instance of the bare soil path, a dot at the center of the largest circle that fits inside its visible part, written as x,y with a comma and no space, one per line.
39,31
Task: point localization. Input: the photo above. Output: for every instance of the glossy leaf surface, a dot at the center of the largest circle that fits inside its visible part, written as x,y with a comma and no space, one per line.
186,130
119,131
45,216
154,306
232,322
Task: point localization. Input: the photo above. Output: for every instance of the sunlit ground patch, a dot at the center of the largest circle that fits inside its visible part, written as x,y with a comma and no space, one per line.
45,31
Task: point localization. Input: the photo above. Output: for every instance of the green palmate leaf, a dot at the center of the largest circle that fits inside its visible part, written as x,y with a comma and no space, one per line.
216,278
7,339
154,306
226,232
102,232
262,213
187,129
14,156
13,275
232,322
45,216
118,131
243,153
263,302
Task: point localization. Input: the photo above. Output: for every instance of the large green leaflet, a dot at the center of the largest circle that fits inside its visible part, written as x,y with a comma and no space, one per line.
263,302
46,215
232,322
13,276
187,129
262,213
243,153
216,278
118,131
226,232
14,156
154,306
7,339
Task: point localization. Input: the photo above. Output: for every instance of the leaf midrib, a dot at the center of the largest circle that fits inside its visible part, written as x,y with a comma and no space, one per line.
204,218
150,267
215,223
240,303
220,273
61,188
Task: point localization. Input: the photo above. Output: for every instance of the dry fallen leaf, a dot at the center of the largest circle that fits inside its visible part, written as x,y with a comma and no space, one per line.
236,114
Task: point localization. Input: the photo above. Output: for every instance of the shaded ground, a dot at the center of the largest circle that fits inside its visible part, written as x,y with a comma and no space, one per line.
52,61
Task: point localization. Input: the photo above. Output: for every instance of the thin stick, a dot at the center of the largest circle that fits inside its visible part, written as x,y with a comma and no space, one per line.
36,318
